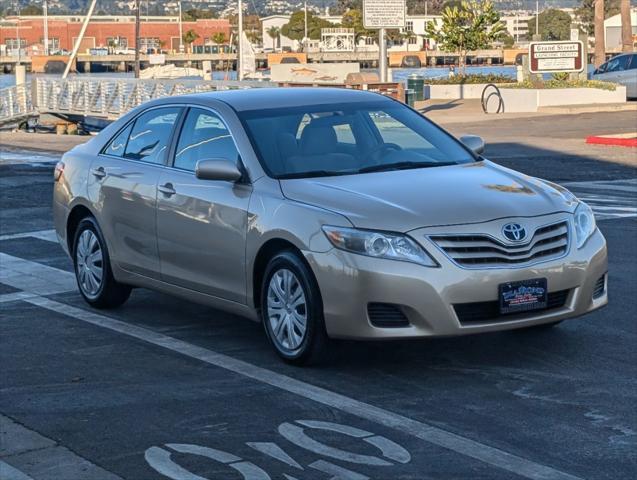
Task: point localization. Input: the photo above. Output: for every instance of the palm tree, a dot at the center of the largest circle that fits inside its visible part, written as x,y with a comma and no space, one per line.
627,33
600,43
219,38
189,37
273,33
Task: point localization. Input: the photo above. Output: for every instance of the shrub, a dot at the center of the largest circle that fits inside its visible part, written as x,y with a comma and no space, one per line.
553,83
470,79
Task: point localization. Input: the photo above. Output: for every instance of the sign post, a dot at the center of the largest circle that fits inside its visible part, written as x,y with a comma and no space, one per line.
380,15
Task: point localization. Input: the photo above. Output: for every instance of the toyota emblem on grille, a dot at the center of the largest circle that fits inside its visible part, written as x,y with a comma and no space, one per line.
514,232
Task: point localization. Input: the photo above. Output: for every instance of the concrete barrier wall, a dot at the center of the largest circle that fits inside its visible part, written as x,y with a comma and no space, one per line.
454,92
530,100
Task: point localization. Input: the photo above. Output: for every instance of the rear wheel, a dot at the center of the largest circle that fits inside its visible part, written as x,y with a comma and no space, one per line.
292,310
93,269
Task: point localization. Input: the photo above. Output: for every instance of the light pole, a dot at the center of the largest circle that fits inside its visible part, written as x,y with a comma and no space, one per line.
137,38
181,33
305,31
17,31
46,27
239,43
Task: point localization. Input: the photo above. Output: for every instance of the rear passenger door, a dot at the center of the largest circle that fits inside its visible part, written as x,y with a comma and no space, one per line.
122,185
202,224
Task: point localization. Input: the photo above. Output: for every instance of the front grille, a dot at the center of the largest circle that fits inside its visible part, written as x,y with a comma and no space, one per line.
600,287
479,251
386,315
481,312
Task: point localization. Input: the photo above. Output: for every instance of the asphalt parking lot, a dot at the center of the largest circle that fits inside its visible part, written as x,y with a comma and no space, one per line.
162,388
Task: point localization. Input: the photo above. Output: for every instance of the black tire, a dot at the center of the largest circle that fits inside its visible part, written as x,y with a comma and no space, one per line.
313,347
109,293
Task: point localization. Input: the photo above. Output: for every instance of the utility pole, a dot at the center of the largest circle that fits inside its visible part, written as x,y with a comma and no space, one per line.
600,40
181,32
537,17
305,34
239,42
137,45
46,27
17,31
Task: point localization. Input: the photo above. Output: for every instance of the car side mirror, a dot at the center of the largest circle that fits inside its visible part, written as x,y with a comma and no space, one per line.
217,169
473,143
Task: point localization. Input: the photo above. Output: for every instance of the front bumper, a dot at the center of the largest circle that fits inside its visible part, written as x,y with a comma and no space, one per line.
426,296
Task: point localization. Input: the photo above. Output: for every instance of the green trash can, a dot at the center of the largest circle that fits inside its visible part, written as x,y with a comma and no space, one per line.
416,83
410,96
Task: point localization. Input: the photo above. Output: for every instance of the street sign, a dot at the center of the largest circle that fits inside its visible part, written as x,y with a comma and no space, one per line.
551,57
384,14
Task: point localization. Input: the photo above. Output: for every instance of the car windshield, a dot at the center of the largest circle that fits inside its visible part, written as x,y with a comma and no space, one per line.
347,139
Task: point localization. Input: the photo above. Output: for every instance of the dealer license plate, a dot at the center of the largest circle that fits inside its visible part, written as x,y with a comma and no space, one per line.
523,296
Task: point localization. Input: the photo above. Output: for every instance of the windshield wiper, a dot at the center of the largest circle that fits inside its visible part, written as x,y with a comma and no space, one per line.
314,173
403,166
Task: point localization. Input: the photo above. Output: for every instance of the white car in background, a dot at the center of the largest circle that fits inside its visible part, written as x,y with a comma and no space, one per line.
621,69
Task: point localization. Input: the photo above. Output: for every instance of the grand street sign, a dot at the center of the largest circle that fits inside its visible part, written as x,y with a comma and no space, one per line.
384,14
550,57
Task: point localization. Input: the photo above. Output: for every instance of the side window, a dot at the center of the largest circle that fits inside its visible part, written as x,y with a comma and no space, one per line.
118,144
150,135
633,62
203,136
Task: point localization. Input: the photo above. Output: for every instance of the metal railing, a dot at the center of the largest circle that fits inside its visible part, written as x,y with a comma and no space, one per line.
16,104
110,98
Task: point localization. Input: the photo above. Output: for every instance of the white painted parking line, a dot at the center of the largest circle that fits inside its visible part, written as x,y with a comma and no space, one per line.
48,235
423,431
7,472
609,199
33,277
27,455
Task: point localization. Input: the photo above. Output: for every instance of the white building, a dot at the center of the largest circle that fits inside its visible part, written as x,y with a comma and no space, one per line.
414,24
613,31
517,24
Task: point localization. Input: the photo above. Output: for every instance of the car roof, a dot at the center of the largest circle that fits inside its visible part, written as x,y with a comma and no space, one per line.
284,97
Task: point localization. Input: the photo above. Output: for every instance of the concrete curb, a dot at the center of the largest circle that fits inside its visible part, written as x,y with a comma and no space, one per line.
619,139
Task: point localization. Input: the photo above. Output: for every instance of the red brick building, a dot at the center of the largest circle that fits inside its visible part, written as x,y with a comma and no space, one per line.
103,31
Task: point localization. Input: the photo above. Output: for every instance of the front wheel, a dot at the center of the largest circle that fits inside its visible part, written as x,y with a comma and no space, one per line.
292,310
93,268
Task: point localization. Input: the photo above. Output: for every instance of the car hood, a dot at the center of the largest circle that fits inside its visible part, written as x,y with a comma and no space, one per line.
404,200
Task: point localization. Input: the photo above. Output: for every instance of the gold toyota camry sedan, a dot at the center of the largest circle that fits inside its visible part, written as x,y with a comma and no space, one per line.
322,213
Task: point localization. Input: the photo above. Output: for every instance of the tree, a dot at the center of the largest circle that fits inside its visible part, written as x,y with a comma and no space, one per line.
507,40
273,33
31,10
219,38
189,37
472,26
554,25
627,30
586,13
192,14
354,19
600,40
295,28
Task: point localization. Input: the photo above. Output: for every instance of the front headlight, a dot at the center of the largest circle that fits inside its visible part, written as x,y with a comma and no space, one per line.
585,225
378,244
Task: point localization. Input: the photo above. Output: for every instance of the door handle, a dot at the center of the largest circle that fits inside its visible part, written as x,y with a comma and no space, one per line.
98,172
167,189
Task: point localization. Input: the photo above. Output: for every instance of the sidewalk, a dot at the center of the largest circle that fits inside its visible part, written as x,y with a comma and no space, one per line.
469,111
44,142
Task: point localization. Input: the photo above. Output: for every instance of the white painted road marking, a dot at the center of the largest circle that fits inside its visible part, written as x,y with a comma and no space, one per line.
27,455
33,277
48,235
609,199
7,472
423,431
